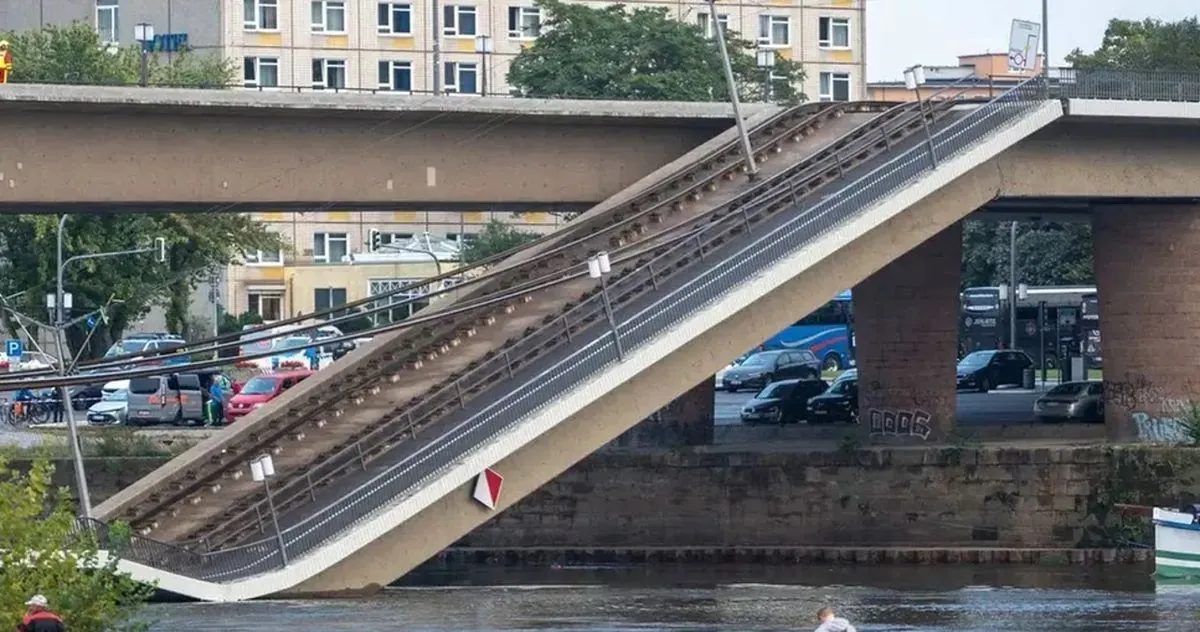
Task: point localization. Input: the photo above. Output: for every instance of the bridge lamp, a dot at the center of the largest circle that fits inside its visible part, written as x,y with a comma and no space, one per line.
914,78
599,267
262,469
483,46
144,34
765,58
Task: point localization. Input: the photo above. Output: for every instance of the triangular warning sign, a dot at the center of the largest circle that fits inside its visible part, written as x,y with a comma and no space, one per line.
487,488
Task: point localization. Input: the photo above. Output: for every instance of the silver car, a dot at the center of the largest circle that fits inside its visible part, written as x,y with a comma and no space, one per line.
113,406
1072,401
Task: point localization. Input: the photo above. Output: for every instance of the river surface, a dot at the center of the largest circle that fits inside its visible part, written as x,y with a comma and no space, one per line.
728,599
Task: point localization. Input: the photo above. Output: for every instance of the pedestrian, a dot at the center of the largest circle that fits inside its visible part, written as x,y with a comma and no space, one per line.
216,402
39,618
6,65
314,358
829,622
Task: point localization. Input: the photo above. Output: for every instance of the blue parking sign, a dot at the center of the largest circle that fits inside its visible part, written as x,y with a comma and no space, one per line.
14,348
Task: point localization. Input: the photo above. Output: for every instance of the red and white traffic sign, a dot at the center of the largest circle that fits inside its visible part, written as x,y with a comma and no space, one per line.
487,488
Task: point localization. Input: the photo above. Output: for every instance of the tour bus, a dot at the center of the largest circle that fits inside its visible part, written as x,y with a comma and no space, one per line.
1070,314
828,333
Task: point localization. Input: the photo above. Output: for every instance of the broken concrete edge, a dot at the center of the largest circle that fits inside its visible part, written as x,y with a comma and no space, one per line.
91,96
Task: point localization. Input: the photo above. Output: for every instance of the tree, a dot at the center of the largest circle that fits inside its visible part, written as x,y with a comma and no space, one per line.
45,553
75,54
1047,254
497,237
611,53
1144,45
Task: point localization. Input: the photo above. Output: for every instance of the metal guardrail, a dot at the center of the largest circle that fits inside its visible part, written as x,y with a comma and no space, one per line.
1179,86
791,233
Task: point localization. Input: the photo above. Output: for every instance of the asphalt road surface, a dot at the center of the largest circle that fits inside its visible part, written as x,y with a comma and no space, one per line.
1000,407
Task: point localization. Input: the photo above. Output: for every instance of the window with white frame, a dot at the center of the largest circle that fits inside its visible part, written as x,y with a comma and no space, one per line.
329,73
399,239
376,287
328,16
458,20
260,15
329,298
834,33
264,258
260,72
524,22
107,23
395,76
330,247
835,86
774,30
395,18
704,21
267,304
461,77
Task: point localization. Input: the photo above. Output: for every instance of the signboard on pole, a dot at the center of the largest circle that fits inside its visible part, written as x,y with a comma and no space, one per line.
1023,42
14,348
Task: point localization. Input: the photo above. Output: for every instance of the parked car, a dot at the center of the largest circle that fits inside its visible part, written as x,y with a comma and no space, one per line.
146,344
113,405
260,389
1072,401
178,398
785,401
838,403
762,368
985,370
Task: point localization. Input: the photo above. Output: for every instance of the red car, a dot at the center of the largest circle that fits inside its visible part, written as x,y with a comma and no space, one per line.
261,389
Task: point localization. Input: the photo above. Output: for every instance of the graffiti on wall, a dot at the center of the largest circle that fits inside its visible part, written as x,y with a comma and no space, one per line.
1162,429
899,423
1174,421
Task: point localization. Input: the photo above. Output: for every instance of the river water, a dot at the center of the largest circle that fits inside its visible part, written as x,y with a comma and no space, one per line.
733,599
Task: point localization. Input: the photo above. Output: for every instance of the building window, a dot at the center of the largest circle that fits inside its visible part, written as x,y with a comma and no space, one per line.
458,20
264,258
260,15
260,72
461,78
329,73
524,22
774,30
400,312
328,298
330,247
834,33
395,18
704,21
386,239
268,305
835,86
107,24
395,76
328,16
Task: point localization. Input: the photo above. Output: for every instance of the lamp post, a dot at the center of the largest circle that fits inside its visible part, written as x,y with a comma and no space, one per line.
483,46
766,62
261,470
599,267
914,78
731,83
144,34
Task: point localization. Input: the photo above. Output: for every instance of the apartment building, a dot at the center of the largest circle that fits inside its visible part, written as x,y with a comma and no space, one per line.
983,75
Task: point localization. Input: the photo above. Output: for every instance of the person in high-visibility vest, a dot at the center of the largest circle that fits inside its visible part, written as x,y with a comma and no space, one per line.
5,61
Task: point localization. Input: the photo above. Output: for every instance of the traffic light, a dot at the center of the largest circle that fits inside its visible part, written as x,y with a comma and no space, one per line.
376,240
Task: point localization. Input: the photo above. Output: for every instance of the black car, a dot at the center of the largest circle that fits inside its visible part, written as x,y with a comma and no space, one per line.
785,401
985,370
765,367
839,403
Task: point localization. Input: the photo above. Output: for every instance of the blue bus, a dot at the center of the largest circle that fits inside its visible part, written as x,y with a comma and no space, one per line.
828,333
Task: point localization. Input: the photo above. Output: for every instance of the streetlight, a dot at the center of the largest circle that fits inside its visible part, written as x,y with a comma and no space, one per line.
914,78
483,46
144,34
766,61
599,266
261,470
731,83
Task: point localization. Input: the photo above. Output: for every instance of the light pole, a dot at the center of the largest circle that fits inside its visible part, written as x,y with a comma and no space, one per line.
766,61
599,267
1046,41
483,46
731,83
914,78
144,34
261,470
435,38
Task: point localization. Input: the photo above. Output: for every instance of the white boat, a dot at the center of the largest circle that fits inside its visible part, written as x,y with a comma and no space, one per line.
1176,544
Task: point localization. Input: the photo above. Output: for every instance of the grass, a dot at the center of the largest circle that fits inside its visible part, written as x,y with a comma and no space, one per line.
113,443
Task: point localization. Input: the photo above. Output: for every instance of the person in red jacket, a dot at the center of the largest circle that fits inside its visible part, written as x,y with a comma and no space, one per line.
38,617
5,61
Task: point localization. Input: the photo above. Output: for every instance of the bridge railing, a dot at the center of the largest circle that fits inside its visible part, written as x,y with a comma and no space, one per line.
1126,85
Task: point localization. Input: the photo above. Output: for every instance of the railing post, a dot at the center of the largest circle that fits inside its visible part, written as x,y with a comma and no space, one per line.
792,190
566,326
837,158
887,139
362,460
653,275
312,493
258,512
699,246
746,218
462,403
508,364
412,428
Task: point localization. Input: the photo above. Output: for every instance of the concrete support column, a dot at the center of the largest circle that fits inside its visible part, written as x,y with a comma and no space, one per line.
686,421
906,317
1148,281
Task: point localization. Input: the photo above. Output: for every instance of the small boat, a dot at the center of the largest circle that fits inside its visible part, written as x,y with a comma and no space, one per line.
1177,543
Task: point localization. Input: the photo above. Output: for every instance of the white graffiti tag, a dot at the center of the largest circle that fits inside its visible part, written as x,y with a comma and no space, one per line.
899,423
1162,429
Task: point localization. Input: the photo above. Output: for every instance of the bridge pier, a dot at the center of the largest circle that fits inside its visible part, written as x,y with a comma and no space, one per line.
688,420
1147,261
906,317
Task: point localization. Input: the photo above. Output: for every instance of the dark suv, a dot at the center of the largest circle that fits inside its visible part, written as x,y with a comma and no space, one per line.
765,367
985,370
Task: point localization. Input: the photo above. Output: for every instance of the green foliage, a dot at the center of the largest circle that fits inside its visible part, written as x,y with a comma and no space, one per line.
74,54
643,54
497,237
1047,253
1143,45
43,554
